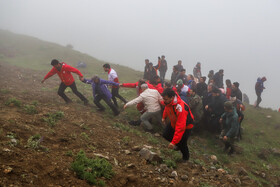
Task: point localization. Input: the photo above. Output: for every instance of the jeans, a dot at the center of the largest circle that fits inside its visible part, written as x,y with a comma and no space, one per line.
148,115
182,145
162,75
97,100
62,88
259,99
115,93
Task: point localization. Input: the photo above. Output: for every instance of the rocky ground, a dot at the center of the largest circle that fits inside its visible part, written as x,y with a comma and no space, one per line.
82,128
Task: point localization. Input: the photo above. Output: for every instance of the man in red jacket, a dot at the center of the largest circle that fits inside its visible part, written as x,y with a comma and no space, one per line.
64,72
177,131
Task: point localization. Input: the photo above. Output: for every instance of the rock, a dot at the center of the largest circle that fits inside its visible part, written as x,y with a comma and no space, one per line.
174,174
275,152
8,170
237,181
101,156
164,167
147,146
116,162
242,171
221,170
214,158
213,168
184,177
127,152
263,175
14,141
171,181
150,156
131,178
264,154
6,150
268,116
163,180
136,148
130,166
157,135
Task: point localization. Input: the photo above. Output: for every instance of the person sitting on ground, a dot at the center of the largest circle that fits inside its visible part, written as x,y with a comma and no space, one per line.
174,75
182,90
113,76
259,87
236,91
202,87
196,106
100,91
230,125
228,89
216,109
178,130
64,72
197,72
182,75
151,99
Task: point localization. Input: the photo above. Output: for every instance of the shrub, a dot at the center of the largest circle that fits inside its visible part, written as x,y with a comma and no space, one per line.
53,118
13,101
34,141
30,109
91,169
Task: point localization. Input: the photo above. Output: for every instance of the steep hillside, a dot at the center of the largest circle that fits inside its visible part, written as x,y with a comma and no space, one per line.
30,110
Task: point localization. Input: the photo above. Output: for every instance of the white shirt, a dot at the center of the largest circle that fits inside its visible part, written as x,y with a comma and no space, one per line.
112,75
151,99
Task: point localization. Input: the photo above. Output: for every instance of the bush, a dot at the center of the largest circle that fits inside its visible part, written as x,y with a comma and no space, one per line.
13,101
53,118
30,109
91,169
34,141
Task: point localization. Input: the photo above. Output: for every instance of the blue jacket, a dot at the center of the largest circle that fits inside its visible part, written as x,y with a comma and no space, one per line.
103,87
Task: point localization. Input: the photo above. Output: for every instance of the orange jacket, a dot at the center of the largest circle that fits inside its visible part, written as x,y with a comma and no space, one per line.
177,114
64,74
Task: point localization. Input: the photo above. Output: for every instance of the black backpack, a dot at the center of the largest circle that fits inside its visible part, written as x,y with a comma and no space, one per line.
190,119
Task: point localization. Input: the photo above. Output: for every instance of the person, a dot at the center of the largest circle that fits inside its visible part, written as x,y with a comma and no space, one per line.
178,130
236,92
157,84
146,69
152,72
113,76
182,90
196,106
100,91
216,109
140,106
202,87
197,71
151,100
174,75
259,87
228,88
218,79
162,67
67,80
230,125
190,82
210,76
240,107
179,66
182,75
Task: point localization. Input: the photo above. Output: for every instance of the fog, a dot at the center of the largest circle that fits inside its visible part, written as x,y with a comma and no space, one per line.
241,37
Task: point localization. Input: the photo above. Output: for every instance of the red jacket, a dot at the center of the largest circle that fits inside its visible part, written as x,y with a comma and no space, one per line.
64,74
135,85
178,118
228,93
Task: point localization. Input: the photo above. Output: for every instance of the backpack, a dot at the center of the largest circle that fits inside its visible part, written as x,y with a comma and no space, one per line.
190,118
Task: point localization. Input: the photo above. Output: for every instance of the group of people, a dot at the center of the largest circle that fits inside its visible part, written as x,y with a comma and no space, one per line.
180,105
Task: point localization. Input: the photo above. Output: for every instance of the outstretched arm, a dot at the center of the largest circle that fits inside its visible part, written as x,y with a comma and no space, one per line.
51,73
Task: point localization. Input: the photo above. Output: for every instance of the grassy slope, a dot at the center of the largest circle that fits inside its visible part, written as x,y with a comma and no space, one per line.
260,132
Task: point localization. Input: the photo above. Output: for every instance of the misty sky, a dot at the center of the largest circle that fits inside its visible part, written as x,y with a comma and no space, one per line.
240,36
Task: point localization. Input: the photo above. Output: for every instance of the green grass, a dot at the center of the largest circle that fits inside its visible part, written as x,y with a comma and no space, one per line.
13,102
53,118
30,109
92,170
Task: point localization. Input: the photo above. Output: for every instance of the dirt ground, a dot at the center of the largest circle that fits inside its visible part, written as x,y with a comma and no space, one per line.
29,167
